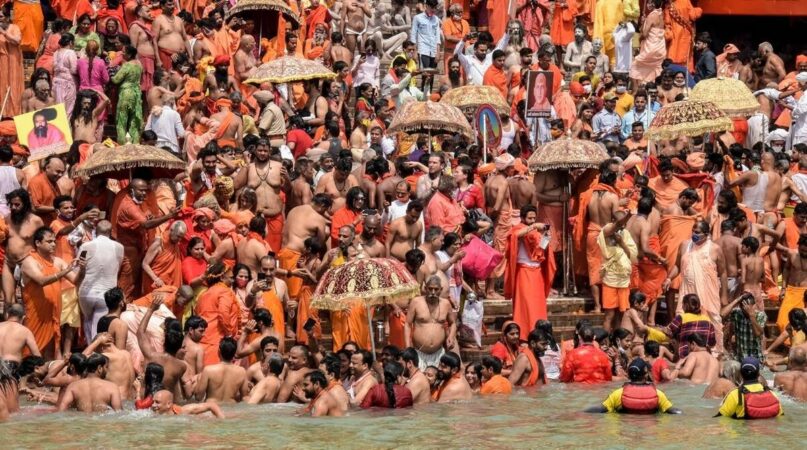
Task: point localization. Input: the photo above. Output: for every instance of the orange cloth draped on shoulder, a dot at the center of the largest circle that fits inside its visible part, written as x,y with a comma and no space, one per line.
167,264
64,250
648,276
29,18
496,385
666,193
565,108
272,303
312,50
298,291
586,231
454,29
43,193
351,325
274,231
219,307
562,30
679,32
43,305
192,84
535,368
498,15
527,284
315,17
495,77
673,231
195,7
343,216
71,10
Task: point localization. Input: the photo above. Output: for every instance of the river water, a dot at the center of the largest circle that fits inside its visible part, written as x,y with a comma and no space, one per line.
550,417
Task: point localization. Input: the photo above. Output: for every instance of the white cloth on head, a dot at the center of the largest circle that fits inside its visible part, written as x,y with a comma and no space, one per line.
801,77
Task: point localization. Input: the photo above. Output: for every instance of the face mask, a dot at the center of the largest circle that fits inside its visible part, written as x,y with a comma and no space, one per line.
587,89
679,83
621,89
241,283
696,239
777,148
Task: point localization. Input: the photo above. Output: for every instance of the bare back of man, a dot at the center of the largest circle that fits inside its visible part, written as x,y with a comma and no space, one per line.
91,395
14,338
265,391
522,191
223,383
120,370
420,388
792,383
700,367
304,222
250,252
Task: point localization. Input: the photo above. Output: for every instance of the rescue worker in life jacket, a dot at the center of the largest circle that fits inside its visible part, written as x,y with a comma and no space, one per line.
752,400
637,396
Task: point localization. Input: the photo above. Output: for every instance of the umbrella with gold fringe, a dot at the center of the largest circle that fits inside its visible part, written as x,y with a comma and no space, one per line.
688,118
118,162
289,68
253,7
469,98
371,281
430,118
730,96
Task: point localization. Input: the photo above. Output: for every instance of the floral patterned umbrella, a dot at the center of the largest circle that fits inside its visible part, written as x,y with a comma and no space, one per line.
567,153
289,68
731,96
688,118
469,98
118,162
430,118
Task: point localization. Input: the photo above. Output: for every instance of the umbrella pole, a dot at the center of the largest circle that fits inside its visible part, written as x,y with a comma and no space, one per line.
484,141
370,326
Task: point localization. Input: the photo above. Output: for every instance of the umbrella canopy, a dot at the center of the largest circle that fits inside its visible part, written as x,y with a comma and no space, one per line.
688,118
248,6
469,98
118,162
375,281
567,153
731,96
430,117
289,68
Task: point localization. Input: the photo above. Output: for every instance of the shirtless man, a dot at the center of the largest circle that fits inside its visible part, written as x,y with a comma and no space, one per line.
361,363
431,324
169,35
550,195
267,389
730,246
164,405
793,382
195,328
604,203
331,366
244,58
307,221
683,206
522,191
219,84
260,369
223,382
368,238
302,188
338,50
266,176
92,393
142,39
644,227
43,97
176,378
416,382
453,385
795,278
386,187
337,182
22,223
355,23
16,337
85,124
699,366
404,232
119,369
314,386
233,132
432,242
774,69
298,368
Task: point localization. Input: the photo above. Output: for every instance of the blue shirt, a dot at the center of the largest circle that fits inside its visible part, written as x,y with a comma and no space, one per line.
426,33
654,106
631,116
605,120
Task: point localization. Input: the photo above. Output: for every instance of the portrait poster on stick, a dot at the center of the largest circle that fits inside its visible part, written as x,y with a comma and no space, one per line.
45,131
539,94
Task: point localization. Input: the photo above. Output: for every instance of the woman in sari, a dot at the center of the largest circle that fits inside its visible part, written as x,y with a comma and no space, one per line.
507,347
45,60
65,67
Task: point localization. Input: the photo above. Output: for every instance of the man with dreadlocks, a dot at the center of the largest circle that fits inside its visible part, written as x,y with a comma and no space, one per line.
86,115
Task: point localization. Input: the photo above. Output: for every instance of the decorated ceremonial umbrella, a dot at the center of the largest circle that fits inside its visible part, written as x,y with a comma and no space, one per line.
265,13
430,118
566,154
289,68
729,95
469,98
374,281
688,118
118,162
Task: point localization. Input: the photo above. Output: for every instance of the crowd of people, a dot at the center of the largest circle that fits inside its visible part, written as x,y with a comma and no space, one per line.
183,293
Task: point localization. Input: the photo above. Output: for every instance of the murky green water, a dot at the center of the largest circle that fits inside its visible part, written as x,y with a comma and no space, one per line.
546,418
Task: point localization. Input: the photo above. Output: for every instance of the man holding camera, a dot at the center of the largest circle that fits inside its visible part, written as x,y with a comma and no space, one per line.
748,324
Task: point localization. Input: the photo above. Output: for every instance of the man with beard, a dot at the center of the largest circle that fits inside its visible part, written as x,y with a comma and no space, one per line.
774,69
42,292
22,225
220,84
86,113
577,51
475,66
42,98
266,176
455,78
431,324
315,387
142,39
453,385
44,134
169,35
130,225
368,238
338,182
44,188
417,382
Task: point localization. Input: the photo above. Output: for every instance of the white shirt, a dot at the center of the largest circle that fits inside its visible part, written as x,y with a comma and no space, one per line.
104,257
474,68
168,128
623,35
758,126
799,127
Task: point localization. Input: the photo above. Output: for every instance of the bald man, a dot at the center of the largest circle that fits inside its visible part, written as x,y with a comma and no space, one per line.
793,382
368,238
774,70
164,405
244,59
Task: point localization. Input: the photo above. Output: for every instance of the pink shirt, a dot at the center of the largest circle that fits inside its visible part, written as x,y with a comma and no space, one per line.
444,213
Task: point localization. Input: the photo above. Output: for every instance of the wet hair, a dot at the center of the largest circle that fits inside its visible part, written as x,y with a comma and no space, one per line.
94,361
173,342
452,360
28,365
262,315
333,365
195,322
258,225
113,298
392,370
797,319
227,348
546,327
317,377
153,379
276,364
493,363
636,297
409,354
752,243
652,348
414,258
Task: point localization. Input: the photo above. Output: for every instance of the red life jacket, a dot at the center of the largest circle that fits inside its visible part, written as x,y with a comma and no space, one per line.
639,399
759,405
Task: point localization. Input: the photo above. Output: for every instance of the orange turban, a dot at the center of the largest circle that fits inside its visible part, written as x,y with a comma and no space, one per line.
801,59
486,169
19,150
575,88
223,227
221,60
730,48
204,212
243,217
223,103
